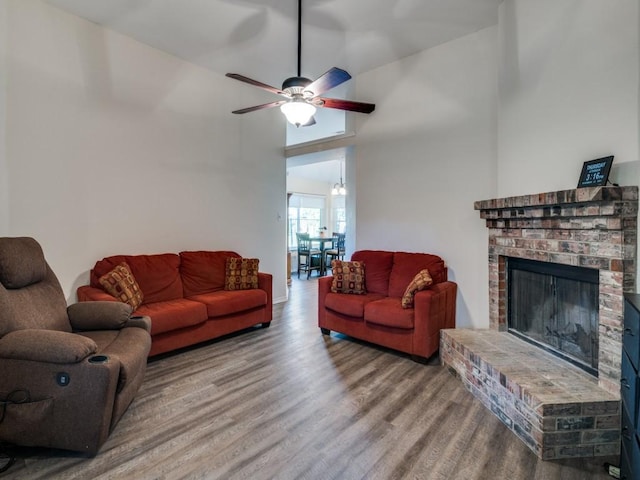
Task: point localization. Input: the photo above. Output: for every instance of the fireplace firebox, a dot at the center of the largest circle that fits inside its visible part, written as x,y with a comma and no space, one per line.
555,307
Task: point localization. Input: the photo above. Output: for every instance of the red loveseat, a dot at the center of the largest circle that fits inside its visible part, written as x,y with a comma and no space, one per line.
184,296
378,316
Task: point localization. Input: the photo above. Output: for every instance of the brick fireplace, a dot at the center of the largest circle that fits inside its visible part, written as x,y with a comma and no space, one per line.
557,409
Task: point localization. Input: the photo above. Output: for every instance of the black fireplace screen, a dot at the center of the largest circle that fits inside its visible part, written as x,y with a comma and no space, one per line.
555,307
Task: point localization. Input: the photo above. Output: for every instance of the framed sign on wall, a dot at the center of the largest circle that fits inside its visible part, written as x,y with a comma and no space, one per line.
595,173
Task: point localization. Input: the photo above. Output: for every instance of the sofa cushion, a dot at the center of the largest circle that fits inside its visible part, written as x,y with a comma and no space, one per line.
173,314
157,275
227,302
121,284
351,305
378,266
348,277
389,312
241,273
407,265
421,281
203,271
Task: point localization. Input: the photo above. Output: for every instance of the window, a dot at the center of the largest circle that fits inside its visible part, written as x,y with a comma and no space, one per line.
338,214
306,214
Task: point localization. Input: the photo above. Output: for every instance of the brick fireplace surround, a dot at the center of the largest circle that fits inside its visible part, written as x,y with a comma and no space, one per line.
558,410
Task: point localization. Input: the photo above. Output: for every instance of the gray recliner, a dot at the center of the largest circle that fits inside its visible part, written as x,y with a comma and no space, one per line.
67,374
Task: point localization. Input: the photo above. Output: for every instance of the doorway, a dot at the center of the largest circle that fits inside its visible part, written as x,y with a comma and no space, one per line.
313,205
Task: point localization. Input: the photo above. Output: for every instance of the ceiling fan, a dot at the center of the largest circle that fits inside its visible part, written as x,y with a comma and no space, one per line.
302,95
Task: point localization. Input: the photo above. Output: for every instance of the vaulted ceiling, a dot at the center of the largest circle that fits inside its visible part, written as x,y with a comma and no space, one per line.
258,38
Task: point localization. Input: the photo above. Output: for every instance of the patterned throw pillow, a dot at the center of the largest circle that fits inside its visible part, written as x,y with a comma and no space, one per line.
121,284
348,277
421,281
241,273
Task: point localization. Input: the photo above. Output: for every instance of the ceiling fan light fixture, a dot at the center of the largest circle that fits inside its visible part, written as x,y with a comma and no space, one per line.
298,111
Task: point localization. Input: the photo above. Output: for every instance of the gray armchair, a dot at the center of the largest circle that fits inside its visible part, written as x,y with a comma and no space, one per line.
67,374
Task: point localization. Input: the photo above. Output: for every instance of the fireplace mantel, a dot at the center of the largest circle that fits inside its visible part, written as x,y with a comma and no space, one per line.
576,196
592,227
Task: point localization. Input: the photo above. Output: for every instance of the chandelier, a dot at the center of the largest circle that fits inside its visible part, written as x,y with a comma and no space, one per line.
339,188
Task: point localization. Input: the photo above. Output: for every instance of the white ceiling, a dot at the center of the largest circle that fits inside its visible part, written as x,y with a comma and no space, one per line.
257,38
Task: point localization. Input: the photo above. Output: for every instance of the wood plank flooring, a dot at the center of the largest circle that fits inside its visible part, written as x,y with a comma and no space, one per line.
289,403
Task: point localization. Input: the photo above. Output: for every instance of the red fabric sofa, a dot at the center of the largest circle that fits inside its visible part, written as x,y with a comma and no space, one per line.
378,316
184,296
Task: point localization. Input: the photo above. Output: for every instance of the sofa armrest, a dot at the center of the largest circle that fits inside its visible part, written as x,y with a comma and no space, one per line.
435,309
92,294
324,287
48,346
438,300
102,315
265,282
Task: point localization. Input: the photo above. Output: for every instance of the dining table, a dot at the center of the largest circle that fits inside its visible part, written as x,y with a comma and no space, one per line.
322,241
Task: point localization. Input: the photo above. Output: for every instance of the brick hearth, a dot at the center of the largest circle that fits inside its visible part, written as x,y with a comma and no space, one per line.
555,408
587,227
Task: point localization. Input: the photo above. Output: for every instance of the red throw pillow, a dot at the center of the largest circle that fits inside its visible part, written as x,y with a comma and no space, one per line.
421,281
121,284
348,277
241,273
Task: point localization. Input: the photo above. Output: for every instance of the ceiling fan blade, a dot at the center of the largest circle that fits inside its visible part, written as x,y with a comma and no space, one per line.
312,121
255,83
260,107
327,81
340,104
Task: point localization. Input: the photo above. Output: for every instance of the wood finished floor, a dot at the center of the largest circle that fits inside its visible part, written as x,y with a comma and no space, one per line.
289,403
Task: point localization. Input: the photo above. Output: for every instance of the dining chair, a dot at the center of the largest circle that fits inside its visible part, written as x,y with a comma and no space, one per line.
312,256
337,250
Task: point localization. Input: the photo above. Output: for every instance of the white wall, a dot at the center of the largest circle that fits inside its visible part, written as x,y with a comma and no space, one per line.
114,147
311,187
426,154
568,90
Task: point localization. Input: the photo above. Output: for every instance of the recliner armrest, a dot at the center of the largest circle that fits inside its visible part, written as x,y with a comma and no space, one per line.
143,322
49,346
102,315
